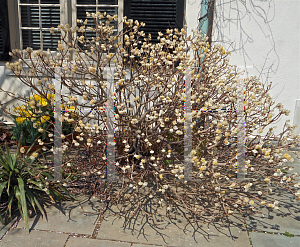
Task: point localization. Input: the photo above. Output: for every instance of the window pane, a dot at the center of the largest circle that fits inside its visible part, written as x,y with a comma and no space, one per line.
49,40
158,15
86,1
42,1
109,10
30,16
107,1
81,13
99,1
31,38
29,1
50,16
50,1
89,36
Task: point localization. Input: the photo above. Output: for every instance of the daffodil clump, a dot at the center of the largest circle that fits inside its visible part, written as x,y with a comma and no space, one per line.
150,95
34,110
30,120
37,116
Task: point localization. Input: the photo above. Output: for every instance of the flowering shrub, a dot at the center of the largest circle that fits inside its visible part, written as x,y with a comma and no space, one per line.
150,119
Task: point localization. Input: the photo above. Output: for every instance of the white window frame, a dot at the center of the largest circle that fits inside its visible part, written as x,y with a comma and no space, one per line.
68,15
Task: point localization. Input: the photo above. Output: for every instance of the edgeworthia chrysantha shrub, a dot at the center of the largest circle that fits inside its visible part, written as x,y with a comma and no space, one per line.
149,98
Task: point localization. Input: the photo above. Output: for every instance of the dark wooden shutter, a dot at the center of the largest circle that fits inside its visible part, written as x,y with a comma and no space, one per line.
158,15
4,32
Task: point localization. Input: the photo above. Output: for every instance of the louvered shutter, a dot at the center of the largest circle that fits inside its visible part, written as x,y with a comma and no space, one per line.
158,15
4,32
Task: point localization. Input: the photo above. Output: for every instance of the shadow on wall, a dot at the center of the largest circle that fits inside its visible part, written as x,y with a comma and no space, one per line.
244,28
9,83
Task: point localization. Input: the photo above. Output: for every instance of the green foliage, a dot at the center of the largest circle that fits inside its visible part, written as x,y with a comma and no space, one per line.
23,182
30,118
31,133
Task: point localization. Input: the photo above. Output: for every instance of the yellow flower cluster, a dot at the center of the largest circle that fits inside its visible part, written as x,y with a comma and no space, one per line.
42,101
24,113
20,120
71,111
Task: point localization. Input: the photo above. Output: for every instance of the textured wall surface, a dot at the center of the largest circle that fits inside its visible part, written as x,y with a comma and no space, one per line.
261,34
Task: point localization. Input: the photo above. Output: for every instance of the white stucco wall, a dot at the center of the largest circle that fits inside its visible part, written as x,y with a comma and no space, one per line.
263,34
9,83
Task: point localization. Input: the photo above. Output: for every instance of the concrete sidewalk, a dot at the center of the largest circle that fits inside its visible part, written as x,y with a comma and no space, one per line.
79,224
74,224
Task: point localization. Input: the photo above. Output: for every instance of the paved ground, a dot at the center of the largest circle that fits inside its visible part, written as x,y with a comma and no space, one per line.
74,224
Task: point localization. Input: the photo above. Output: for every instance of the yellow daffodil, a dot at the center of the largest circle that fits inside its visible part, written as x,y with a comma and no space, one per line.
28,113
44,119
20,120
41,100
36,97
21,110
44,102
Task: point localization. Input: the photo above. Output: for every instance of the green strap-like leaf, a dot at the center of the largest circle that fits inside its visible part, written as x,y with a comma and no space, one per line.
15,161
30,198
17,195
4,164
2,186
10,158
8,183
10,201
34,200
67,192
4,161
40,208
1,219
23,201
48,175
35,183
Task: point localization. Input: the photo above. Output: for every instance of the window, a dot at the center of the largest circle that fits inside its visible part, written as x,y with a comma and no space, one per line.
4,32
36,17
